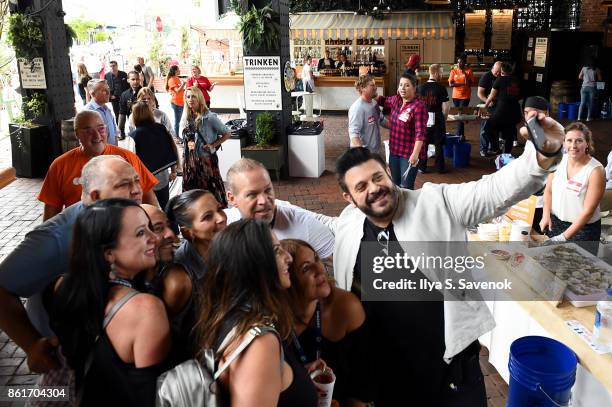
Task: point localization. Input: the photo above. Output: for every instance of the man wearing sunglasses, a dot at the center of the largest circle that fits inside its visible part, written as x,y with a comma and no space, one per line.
424,347
60,188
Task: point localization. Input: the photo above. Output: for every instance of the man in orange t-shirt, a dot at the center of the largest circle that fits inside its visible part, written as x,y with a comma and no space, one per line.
60,190
460,79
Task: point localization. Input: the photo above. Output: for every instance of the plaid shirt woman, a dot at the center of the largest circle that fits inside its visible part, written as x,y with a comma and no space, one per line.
407,131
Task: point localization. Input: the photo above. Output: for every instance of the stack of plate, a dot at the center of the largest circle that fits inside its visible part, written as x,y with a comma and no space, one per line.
488,232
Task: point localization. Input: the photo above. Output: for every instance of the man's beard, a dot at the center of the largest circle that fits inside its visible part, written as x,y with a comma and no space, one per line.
385,212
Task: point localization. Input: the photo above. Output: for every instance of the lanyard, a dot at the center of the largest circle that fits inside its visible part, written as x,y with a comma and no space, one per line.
318,338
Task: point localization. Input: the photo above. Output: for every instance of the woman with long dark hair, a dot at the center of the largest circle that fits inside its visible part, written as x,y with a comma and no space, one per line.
203,134
245,287
176,87
199,216
155,147
329,323
114,337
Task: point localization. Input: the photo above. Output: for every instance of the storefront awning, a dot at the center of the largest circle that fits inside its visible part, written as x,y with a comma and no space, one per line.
394,25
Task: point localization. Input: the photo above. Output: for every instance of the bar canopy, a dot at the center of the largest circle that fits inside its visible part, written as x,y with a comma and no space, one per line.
340,25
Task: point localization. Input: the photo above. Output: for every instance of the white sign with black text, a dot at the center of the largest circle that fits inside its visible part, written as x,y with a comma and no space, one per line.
32,73
541,49
262,83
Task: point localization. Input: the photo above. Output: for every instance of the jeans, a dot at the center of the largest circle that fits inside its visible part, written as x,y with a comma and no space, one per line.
461,125
489,141
587,100
398,166
178,112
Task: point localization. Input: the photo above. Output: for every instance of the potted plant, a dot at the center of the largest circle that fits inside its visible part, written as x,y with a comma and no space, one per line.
270,155
258,28
31,147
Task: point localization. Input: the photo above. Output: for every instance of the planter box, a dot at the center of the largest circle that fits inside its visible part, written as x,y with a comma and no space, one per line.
271,157
31,150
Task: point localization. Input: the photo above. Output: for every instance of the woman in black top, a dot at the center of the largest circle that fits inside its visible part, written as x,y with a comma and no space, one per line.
329,324
114,337
506,93
246,287
156,148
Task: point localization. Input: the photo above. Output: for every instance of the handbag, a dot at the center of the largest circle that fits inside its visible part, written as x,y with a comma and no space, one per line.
194,382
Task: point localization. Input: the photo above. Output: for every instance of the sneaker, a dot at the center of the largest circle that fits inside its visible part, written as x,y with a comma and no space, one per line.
483,153
589,119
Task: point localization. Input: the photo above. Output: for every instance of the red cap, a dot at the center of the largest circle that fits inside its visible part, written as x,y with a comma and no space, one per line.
413,61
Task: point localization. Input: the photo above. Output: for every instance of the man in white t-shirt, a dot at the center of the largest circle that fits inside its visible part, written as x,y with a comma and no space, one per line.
251,193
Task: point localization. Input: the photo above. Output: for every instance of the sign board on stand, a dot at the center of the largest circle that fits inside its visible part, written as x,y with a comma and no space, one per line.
32,73
262,83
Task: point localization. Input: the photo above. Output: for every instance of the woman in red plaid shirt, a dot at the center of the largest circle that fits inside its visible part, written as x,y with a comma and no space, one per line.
407,131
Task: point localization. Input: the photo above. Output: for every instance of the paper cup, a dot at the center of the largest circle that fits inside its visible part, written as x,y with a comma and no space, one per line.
520,231
324,381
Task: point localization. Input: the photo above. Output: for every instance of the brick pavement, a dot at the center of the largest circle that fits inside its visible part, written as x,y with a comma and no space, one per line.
20,211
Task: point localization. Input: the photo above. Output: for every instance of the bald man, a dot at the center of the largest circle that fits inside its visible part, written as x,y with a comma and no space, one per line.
489,142
44,254
59,189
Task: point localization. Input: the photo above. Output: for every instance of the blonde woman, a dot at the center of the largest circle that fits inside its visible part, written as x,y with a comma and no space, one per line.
146,95
573,192
82,79
203,134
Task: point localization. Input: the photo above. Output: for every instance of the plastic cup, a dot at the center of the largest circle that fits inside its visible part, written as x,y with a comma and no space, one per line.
324,381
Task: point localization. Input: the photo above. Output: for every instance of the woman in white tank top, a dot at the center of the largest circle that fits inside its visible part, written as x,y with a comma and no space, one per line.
574,190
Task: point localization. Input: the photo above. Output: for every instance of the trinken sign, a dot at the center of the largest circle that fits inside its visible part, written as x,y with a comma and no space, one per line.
262,83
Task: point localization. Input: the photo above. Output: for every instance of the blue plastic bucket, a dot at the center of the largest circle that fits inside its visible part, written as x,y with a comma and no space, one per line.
572,111
542,372
562,110
461,155
451,140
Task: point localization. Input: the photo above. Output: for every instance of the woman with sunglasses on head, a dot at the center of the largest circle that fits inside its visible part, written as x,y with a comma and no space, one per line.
203,134
155,147
573,192
114,337
146,95
244,288
329,324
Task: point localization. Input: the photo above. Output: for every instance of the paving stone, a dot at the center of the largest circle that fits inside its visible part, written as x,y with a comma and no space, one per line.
10,361
24,379
23,368
7,370
7,350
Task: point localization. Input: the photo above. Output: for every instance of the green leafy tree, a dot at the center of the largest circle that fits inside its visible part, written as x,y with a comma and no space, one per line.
81,28
155,52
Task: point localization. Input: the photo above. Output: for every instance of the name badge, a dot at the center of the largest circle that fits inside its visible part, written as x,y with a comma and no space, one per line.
574,187
405,115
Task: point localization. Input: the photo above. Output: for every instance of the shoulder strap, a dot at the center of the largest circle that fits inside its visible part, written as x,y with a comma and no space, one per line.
117,306
249,337
107,318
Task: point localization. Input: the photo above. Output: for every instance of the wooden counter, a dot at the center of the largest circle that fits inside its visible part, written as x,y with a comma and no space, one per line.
343,81
229,80
552,319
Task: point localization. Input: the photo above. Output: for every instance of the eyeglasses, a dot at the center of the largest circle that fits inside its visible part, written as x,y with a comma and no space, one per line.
383,241
90,130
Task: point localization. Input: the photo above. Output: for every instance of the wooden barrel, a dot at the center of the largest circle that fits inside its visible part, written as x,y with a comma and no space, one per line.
561,92
69,140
